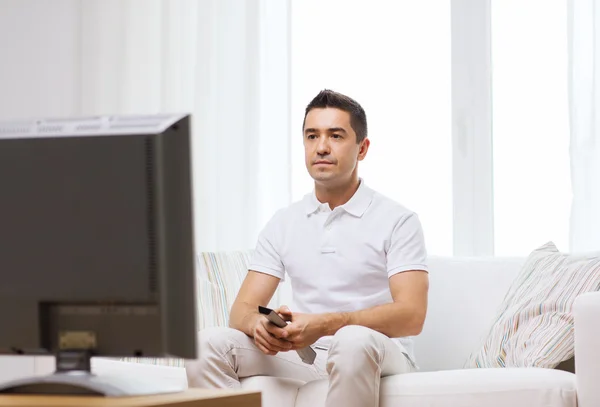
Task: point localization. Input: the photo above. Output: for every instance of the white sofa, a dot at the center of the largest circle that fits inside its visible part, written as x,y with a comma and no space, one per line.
463,299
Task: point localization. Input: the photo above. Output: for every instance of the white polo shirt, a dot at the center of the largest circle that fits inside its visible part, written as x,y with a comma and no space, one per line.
340,260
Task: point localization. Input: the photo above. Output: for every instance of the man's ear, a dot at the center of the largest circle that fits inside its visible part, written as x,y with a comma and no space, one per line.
364,147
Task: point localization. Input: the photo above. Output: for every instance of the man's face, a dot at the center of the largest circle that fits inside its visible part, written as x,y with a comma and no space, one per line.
330,149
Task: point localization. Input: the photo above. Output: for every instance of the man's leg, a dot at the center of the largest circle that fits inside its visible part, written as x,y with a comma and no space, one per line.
357,360
227,355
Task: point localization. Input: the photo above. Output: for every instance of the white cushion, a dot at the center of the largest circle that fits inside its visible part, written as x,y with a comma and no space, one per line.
454,327
511,387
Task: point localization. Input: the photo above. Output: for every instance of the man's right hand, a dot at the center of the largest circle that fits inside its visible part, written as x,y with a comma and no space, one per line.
269,338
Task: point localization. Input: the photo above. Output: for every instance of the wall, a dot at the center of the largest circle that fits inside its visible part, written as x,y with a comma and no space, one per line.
39,45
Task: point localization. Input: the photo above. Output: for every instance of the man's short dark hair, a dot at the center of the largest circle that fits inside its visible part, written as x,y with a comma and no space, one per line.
329,98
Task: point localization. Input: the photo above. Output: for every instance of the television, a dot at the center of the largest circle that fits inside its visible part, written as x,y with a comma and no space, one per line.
96,246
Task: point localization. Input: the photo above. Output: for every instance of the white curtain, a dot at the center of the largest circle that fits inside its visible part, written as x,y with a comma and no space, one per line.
584,99
224,61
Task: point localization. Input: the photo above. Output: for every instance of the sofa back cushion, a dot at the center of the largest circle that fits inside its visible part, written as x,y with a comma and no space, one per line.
464,296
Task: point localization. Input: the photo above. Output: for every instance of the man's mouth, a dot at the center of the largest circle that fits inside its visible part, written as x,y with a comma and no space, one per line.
323,162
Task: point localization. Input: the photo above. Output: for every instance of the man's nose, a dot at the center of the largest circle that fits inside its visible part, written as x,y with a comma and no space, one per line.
323,146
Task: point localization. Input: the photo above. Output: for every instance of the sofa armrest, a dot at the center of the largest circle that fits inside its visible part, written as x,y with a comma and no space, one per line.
586,312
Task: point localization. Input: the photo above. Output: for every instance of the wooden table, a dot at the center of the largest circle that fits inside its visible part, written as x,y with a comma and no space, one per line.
187,398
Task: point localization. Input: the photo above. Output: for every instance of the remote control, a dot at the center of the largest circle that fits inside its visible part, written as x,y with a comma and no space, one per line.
307,354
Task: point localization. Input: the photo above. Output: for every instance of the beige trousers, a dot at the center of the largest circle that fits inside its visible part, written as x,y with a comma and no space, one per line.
354,364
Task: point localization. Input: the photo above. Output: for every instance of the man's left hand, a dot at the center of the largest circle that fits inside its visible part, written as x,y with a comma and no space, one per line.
304,329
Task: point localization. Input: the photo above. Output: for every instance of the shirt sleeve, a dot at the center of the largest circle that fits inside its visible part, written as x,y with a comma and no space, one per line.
266,257
407,246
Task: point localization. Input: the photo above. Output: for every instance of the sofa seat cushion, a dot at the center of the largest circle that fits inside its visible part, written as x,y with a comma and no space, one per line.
508,387
275,391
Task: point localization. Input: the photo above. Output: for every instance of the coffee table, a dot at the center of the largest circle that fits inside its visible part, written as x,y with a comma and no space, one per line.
186,398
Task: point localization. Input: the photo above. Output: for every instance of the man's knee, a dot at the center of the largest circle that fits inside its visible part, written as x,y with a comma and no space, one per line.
213,346
218,340
353,338
354,344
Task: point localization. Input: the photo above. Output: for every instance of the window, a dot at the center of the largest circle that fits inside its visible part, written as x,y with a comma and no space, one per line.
532,192
394,59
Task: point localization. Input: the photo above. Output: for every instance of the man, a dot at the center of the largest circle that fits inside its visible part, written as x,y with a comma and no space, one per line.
357,263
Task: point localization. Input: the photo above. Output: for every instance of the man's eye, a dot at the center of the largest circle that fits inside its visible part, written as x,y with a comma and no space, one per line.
336,136
311,136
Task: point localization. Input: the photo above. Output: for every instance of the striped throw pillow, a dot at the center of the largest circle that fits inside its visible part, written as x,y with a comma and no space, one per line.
534,324
218,280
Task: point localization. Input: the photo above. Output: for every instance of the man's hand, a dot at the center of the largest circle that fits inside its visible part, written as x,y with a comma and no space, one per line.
269,338
304,329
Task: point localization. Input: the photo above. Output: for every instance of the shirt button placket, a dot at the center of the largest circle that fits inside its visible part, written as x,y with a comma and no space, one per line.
327,243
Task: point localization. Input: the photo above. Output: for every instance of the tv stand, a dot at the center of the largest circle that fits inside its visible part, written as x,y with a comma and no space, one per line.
73,376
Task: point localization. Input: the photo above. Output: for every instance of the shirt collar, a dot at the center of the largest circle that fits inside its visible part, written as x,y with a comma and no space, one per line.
356,206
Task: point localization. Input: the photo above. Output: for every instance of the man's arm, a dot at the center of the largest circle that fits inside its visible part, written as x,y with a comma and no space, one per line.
403,317
257,289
